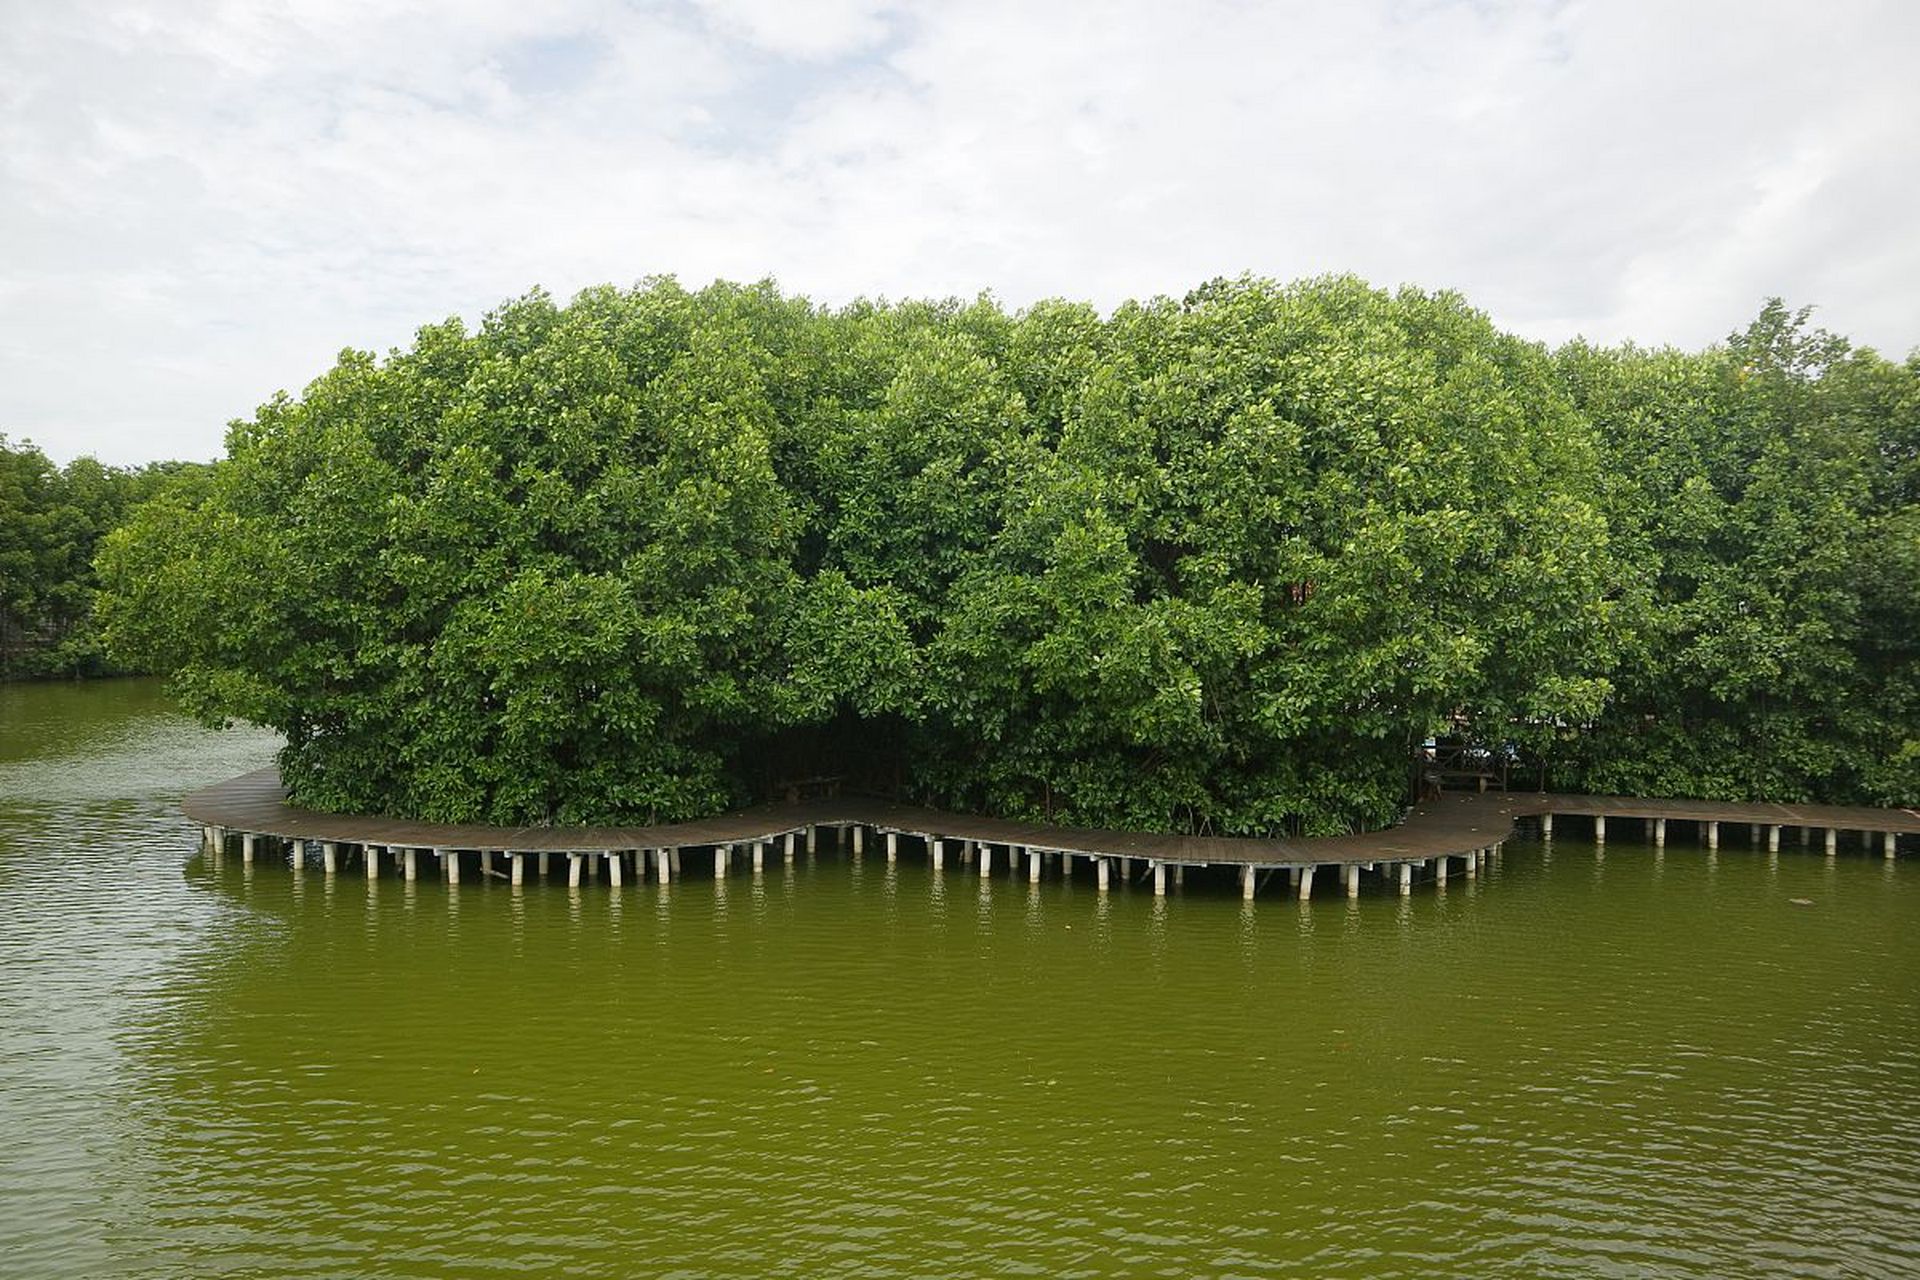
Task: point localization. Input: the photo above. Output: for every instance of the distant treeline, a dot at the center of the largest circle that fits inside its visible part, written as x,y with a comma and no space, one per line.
51,520
1218,563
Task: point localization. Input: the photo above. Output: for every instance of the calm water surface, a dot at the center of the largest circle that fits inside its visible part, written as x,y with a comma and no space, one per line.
1575,1066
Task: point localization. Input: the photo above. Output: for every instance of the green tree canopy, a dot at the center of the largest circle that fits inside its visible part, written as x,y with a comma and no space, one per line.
51,522
1209,564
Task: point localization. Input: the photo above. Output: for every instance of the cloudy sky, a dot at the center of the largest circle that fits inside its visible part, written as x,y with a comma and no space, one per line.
201,203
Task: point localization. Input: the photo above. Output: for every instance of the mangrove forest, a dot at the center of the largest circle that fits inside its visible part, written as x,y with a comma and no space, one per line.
1221,563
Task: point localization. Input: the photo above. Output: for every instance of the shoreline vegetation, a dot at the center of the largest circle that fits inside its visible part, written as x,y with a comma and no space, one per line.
52,519
1210,565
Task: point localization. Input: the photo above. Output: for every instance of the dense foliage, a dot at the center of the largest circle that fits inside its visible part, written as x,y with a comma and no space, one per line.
1214,564
51,520
1765,498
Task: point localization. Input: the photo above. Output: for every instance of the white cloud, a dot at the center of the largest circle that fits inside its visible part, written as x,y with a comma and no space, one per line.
201,205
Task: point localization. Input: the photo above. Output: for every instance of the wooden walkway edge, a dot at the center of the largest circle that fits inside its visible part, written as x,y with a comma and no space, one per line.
1465,825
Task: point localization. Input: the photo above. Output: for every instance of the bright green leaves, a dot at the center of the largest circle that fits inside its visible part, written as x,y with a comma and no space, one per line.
1748,491
1209,565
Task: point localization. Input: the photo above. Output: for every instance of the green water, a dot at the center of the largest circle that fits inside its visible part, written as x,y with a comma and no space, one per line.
1574,1066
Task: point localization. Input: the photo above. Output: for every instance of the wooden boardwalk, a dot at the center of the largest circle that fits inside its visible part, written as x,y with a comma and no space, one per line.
1466,826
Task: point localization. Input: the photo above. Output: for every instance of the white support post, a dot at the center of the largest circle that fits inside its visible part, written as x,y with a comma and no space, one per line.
1440,870
450,859
1306,882
1889,844
541,864
859,840
247,840
1773,839
1353,879
1159,879
1406,879
1833,842
759,856
813,839
410,863
1659,833
893,846
1033,866
1102,872
663,863
1600,829
518,868
573,871
720,852
986,861
370,854
1546,826
613,867
789,848
939,854
1247,882
1473,864
1713,835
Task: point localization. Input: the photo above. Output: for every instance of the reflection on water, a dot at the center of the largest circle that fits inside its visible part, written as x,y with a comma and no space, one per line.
1576,1066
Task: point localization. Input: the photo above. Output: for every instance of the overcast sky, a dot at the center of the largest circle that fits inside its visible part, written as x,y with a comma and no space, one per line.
203,203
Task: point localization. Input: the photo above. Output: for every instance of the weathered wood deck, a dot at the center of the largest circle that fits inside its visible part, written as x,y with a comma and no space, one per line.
1465,826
